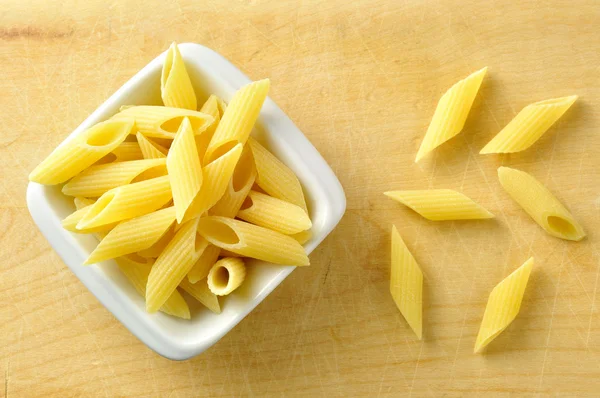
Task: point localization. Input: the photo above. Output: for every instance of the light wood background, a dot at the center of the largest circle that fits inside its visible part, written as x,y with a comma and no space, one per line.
361,80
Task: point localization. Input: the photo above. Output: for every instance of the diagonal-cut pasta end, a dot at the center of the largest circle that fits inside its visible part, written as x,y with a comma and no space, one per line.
564,228
90,219
562,102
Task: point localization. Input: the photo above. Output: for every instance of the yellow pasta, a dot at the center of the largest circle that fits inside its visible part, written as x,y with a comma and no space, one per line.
503,305
273,213
173,264
210,107
150,149
529,125
440,204
451,112
70,222
239,119
96,180
127,201
80,202
137,270
202,266
406,284
275,178
540,204
185,172
226,275
162,121
175,86
76,155
160,245
252,241
133,235
202,293
215,178
302,237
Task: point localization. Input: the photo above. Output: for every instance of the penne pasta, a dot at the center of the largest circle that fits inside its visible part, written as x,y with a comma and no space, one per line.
150,149
503,305
210,107
70,222
273,213
173,264
96,180
160,245
127,151
76,155
137,271
185,172
275,178
202,293
176,87
529,125
133,235
302,237
440,204
202,266
239,119
226,275
451,112
127,201
406,284
162,121
540,204
80,202
252,241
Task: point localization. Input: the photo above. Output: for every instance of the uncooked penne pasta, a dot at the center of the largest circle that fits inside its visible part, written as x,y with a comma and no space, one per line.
185,171
252,241
226,275
274,177
273,213
210,107
529,125
202,293
440,204
451,112
173,264
176,87
70,222
137,270
540,204
127,151
302,237
202,266
133,235
406,284
76,155
149,148
503,305
162,121
80,203
96,180
160,245
128,201
239,118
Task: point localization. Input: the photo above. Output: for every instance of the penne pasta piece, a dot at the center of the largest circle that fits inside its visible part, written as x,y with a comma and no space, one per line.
133,235
173,264
210,107
529,125
176,87
215,179
302,237
202,293
451,112
275,178
503,305
96,180
127,151
226,275
160,245
76,155
185,172
202,266
540,204
162,121
137,270
239,119
252,241
150,149
440,204
127,201
227,253
406,284
70,222
80,202
273,213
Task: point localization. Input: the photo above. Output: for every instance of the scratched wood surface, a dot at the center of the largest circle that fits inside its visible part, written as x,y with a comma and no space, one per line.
361,79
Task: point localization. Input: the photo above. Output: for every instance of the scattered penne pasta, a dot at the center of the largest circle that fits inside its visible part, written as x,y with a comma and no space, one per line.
150,149
503,305
529,125
440,204
540,204
226,275
176,87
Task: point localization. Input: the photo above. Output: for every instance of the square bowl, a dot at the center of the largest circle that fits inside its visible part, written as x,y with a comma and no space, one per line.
172,337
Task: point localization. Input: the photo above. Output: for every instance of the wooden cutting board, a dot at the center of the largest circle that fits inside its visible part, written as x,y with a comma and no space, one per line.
361,79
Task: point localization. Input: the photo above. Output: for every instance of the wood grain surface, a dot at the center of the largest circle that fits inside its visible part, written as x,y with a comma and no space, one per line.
361,79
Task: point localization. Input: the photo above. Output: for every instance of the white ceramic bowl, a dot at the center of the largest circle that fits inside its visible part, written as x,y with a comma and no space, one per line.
171,337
